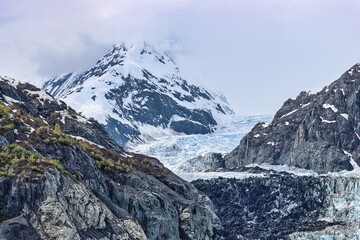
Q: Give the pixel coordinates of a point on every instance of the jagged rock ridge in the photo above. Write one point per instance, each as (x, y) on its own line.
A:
(63, 177)
(318, 131)
(138, 93)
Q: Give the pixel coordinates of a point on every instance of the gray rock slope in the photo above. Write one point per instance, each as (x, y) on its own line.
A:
(63, 177)
(318, 131)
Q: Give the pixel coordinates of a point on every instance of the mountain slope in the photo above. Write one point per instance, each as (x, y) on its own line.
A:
(138, 93)
(318, 131)
(63, 177)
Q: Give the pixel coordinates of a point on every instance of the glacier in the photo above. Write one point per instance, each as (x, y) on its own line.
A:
(176, 150)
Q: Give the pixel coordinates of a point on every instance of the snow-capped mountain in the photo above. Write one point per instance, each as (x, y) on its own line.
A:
(138, 94)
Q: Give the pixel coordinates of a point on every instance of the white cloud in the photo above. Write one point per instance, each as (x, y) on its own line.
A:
(246, 47)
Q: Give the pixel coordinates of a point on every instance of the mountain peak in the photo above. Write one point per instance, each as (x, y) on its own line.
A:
(138, 93)
(353, 72)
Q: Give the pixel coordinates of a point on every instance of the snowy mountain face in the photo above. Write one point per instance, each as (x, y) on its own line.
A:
(138, 94)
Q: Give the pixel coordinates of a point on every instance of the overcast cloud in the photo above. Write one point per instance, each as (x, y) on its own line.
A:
(258, 53)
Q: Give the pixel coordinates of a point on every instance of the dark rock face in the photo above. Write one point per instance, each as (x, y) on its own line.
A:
(315, 131)
(18, 228)
(136, 88)
(94, 189)
(279, 206)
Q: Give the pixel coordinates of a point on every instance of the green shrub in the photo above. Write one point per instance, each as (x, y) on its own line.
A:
(146, 161)
(42, 130)
(21, 161)
(57, 129)
(35, 168)
(9, 126)
(57, 164)
(67, 140)
(24, 128)
(4, 111)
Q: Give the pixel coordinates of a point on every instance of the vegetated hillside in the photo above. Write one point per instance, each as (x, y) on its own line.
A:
(138, 94)
(318, 131)
(63, 177)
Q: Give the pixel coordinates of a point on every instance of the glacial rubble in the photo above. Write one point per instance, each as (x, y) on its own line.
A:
(63, 177)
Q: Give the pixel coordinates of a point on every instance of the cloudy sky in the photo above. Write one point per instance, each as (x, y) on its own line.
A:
(258, 53)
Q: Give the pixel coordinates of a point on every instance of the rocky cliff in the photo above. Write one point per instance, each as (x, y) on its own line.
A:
(314, 137)
(63, 177)
(318, 131)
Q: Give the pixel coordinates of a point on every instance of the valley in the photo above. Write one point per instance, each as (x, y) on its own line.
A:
(153, 156)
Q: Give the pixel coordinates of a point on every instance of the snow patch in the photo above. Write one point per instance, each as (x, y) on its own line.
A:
(10, 80)
(288, 114)
(304, 105)
(326, 121)
(351, 72)
(332, 107)
(43, 96)
(357, 135)
(345, 115)
(266, 124)
(352, 161)
(85, 140)
(342, 90)
(10, 99)
(151, 133)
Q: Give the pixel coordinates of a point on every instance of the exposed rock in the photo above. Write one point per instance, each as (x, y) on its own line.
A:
(3, 141)
(63, 177)
(286, 206)
(318, 131)
(18, 228)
